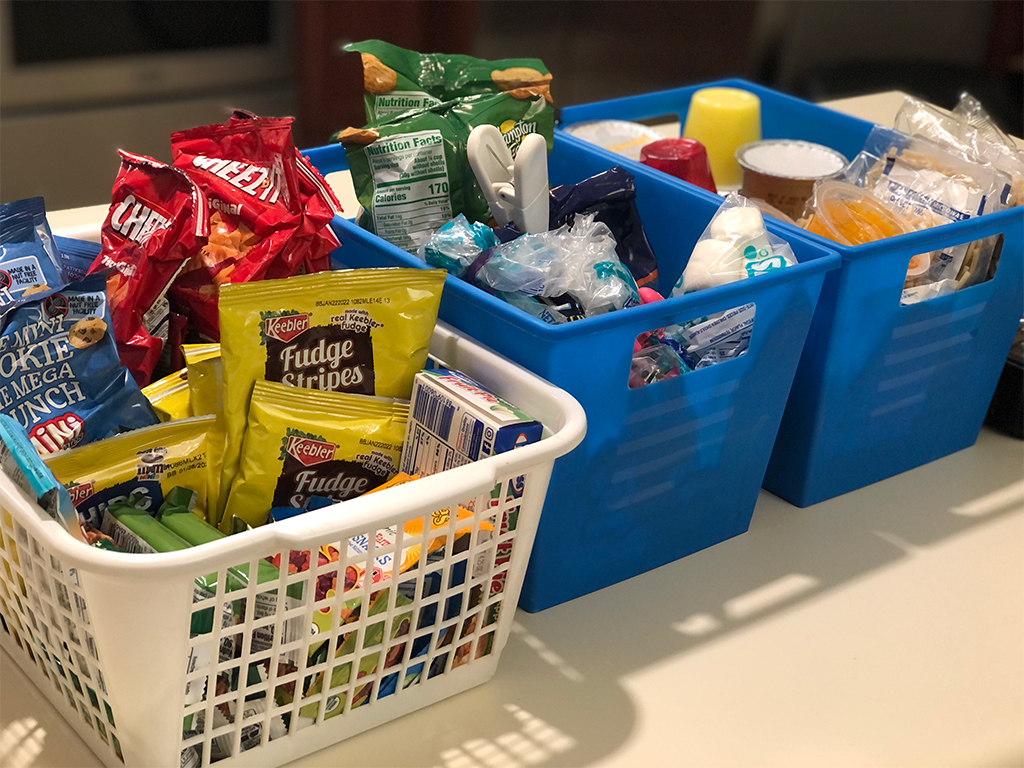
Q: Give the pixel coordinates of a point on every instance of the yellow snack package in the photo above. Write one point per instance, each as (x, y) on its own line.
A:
(206, 396)
(146, 463)
(362, 331)
(169, 396)
(302, 442)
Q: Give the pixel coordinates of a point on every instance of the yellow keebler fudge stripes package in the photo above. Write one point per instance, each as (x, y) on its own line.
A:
(146, 463)
(363, 331)
(302, 442)
(206, 397)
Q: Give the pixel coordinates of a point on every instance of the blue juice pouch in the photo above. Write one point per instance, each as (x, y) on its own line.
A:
(60, 376)
(29, 260)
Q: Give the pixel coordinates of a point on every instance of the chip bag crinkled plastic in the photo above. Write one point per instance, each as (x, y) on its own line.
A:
(157, 221)
(269, 211)
(29, 259)
(146, 464)
(397, 80)
(411, 173)
(60, 376)
(364, 331)
(303, 442)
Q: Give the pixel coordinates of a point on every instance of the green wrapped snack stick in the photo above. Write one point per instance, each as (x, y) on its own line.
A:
(135, 530)
(397, 80)
(411, 172)
(176, 514)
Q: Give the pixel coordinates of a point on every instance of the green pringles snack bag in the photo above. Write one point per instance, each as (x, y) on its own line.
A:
(397, 80)
(411, 173)
(361, 331)
(302, 442)
(144, 464)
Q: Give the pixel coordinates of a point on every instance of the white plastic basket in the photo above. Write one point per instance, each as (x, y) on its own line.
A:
(109, 636)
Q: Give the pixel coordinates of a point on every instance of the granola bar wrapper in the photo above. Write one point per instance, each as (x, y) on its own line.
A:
(156, 223)
(269, 212)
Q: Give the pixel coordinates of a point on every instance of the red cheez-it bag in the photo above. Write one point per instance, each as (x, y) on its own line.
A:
(157, 222)
(269, 211)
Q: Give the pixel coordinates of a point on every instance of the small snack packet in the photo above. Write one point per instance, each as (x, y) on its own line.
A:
(29, 260)
(145, 464)
(264, 221)
(156, 223)
(169, 396)
(303, 442)
(734, 246)
(411, 172)
(364, 331)
(611, 197)
(397, 80)
(206, 397)
(60, 376)
(132, 529)
(561, 275)
(20, 462)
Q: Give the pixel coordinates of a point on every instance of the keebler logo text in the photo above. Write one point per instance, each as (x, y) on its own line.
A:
(310, 452)
(286, 327)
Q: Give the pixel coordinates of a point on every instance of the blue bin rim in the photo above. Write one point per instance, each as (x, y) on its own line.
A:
(648, 316)
(732, 82)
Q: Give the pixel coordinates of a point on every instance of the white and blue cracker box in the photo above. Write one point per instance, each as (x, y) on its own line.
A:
(454, 420)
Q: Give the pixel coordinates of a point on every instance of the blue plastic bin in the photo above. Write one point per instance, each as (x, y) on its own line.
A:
(665, 470)
(880, 388)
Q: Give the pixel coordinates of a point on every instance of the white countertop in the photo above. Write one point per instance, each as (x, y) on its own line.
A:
(881, 628)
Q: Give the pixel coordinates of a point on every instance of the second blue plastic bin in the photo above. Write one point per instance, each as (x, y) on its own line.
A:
(881, 388)
(666, 469)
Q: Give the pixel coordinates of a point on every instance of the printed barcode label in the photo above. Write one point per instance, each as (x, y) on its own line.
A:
(434, 411)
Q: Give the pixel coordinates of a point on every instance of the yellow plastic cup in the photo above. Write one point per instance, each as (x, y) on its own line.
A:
(723, 120)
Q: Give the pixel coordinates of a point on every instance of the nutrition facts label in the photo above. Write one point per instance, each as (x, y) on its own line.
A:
(410, 187)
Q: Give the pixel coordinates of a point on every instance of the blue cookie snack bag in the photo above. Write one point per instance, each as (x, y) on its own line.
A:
(29, 259)
(60, 376)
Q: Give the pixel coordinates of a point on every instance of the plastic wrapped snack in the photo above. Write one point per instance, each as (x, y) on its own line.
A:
(205, 376)
(397, 80)
(364, 331)
(411, 171)
(967, 131)
(930, 186)
(560, 275)
(456, 245)
(301, 443)
(60, 376)
(611, 197)
(734, 246)
(29, 260)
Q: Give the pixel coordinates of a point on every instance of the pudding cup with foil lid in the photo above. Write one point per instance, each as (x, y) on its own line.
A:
(782, 172)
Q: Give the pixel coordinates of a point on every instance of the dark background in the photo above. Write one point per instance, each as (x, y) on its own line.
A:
(64, 147)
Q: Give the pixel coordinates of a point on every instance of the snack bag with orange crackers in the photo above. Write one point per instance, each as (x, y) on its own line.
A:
(269, 211)
(397, 80)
